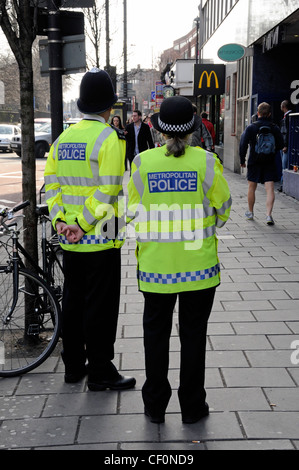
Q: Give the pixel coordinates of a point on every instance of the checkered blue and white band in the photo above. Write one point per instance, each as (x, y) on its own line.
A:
(176, 127)
(177, 278)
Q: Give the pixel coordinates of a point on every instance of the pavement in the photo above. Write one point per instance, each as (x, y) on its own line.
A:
(252, 372)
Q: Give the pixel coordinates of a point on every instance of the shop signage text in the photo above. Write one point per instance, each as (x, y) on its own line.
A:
(271, 39)
(231, 52)
(209, 79)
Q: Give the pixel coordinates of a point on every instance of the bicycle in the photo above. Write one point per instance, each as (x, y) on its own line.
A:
(30, 314)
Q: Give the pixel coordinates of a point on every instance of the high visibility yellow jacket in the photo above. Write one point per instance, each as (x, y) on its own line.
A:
(83, 182)
(176, 204)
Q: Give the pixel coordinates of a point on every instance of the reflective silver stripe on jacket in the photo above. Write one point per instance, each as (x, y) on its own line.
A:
(224, 207)
(52, 193)
(89, 182)
(163, 213)
(75, 200)
(51, 179)
(137, 178)
(54, 145)
(176, 236)
(95, 151)
(55, 209)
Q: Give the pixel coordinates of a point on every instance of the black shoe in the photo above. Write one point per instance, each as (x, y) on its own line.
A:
(190, 419)
(158, 418)
(119, 383)
(74, 377)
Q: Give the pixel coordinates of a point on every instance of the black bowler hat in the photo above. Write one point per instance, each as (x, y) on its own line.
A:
(176, 117)
(96, 92)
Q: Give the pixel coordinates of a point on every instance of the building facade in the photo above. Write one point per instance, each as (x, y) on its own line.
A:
(268, 30)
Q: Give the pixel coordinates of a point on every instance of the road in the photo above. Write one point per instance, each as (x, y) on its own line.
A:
(11, 178)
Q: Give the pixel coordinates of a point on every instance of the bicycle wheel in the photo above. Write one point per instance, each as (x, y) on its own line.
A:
(30, 332)
(55, 272)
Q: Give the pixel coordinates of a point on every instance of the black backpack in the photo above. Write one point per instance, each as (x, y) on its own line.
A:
(265, 145)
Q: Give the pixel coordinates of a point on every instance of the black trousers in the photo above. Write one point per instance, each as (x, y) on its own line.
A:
(194, 311)
(90, 310)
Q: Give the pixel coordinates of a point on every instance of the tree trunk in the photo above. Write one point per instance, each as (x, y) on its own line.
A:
(18, 21)
(28, 157)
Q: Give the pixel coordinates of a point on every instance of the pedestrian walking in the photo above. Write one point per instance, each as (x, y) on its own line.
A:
(210, 126)
(201, 133)
(260, 170)
(83, 178)
(139, 137)
(178, 195)
(116, 122)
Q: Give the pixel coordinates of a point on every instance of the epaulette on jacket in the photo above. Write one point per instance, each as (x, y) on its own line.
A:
(120, 133)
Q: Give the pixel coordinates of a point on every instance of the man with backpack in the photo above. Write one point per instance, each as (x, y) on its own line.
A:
(264, 139)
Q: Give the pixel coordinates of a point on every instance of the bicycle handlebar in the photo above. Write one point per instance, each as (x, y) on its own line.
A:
(7, 214)
(6, 211)
(21, 206)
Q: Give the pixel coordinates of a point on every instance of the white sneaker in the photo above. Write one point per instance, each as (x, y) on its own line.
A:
(269, 220)
(249, 215)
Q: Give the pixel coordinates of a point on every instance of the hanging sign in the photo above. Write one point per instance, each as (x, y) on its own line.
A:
(231, 52)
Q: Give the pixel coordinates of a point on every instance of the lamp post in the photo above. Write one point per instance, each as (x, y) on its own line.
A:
(125, 51)
(55, 67)
(197, 22)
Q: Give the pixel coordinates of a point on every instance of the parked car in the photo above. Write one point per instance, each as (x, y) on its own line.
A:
(43, 141)
(7, 131)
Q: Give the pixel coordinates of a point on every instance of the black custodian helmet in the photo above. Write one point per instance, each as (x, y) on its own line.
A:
(96, 92)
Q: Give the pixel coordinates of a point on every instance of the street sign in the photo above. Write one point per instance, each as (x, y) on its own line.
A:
(231, 52)
(67, 3)
(209, 79)
(77, 3)
(72, 22)
(73, 55)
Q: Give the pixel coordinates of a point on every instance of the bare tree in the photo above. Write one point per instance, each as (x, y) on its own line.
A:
(9, 69)
(95, 17)
(18, 20)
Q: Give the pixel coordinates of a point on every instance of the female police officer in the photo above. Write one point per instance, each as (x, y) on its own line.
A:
(177, 196)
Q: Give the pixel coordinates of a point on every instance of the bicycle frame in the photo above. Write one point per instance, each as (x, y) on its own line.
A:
(45, 246)
(14, 268)
(16, 261)
(30, 323)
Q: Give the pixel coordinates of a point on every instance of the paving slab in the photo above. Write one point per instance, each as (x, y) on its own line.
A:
(216, 426)
(252, 360)
(29, 432)
(118, 428)
(257, 377)
(270, 425)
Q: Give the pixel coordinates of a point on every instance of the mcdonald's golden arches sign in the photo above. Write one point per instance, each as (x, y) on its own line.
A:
(209, 79)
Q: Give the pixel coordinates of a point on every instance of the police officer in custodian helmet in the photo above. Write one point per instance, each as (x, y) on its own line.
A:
(177, 198)
(83, 178)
